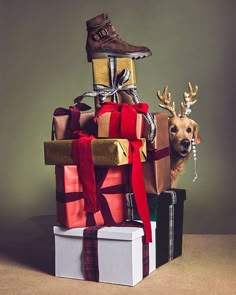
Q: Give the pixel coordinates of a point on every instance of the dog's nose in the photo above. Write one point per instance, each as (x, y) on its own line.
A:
(185, 143)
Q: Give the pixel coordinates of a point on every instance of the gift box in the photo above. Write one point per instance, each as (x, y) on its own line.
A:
(167, 210)
(106, 152)
(110, 196)
(62, 129)
(103, 68)
(121, 120)
(156, 169)
(118, 254)
(108, 73)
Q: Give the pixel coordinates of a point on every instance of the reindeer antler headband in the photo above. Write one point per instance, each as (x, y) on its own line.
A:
(185, 106)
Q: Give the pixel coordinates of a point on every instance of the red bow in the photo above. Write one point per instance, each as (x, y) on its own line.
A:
(123, 121)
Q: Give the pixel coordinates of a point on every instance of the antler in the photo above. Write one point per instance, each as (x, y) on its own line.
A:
(165, 97)
(188, 100)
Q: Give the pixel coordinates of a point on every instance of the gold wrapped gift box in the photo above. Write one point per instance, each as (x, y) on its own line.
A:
(106, 152)
(101, 71)
(101, 76)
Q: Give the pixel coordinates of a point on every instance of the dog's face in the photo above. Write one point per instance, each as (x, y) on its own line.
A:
(181, 132)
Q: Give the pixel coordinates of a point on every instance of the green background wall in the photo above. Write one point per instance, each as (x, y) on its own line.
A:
(44, 65)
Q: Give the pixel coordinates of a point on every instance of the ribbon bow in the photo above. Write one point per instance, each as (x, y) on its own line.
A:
(117, 84)
(111, 107)
(103, 91)
(123, 120)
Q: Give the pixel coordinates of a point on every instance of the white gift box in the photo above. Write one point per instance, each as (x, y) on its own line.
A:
(120, 258)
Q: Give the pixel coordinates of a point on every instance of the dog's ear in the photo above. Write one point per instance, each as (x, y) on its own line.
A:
(196, 133)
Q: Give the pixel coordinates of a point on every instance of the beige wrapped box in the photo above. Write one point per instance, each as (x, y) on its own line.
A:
(103, 123)
(61, 125)
(106, 152)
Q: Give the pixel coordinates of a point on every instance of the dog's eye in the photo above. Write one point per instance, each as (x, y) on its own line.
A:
(188, 129)
(173, 129)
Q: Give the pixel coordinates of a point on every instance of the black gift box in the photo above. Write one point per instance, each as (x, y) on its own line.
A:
(167, 209)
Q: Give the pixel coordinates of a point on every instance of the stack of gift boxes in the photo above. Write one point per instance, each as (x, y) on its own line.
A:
(118, 217)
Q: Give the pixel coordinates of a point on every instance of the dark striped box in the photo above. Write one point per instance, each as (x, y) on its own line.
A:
(167, 209)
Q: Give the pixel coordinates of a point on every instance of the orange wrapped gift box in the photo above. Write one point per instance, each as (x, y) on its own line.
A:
(111, 188)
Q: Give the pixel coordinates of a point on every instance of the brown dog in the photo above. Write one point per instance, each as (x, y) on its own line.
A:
(183, 131)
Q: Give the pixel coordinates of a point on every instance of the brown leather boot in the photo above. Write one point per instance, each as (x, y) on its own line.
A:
(103, 41)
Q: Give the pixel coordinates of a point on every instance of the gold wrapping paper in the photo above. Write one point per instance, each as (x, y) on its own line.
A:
(101, 70)
(101, 76)
(157, 173)
(62, 130)
(103, 123)
(106, 152)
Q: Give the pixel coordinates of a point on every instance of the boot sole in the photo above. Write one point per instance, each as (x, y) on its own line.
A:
(107, 54)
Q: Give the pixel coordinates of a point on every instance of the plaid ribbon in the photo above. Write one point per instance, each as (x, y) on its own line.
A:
(90, 251)
(145, 259)
(117, 82)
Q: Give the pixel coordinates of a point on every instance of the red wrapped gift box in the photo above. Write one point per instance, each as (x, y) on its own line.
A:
(110, 196)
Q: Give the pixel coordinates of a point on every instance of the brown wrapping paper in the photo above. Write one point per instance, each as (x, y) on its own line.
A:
(61, 128)
(101, 76)
(157, 173)
(103, 123)
(106, 152)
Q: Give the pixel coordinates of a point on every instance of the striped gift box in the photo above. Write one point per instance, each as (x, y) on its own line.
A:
(167, 209)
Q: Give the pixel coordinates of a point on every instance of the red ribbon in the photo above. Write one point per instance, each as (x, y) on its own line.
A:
(83, 158)
(74, 118)
(74, 115)
(123, 120)
(112, 106)
(123, 125)
(138, 186)
(155, 155)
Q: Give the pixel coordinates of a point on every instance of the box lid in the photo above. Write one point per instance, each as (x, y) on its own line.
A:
(110, 233)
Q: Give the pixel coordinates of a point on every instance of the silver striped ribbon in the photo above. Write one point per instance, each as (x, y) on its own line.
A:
(171, 224)
(117, 84)
(130, 216)
(129, 206)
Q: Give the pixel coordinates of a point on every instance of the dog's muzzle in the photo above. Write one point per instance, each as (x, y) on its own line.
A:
(185, 147)
(185, 143)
